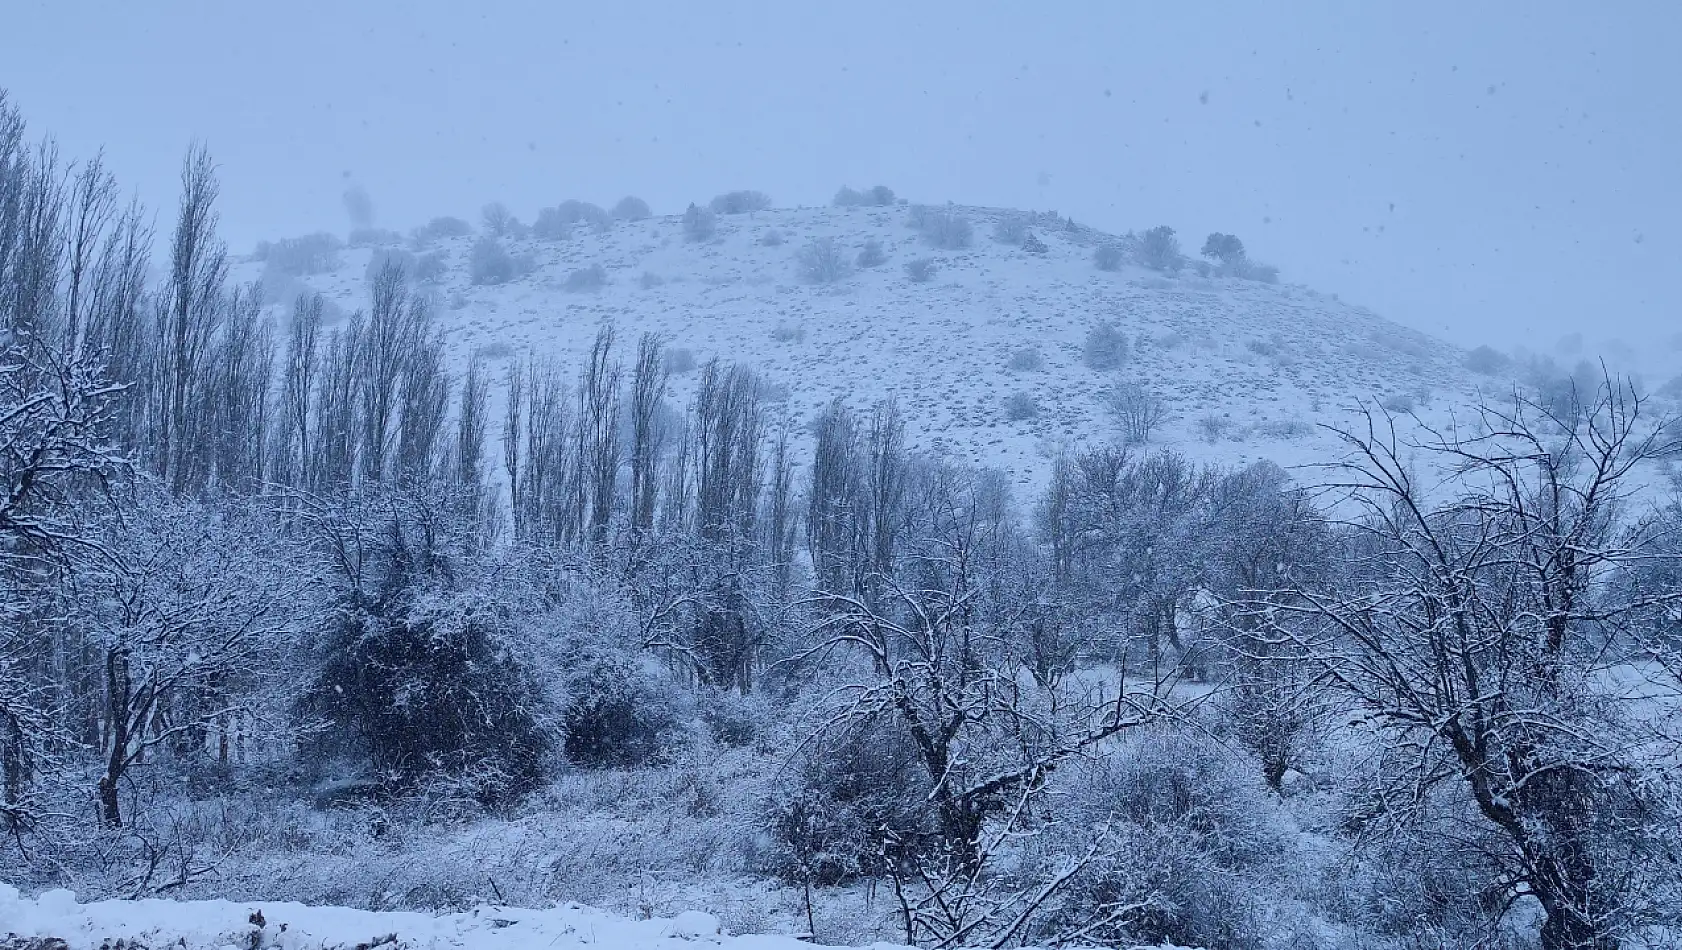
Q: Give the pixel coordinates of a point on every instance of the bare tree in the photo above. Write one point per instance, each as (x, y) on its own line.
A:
(648, 388)
(1138, 410)
(189, 615)
(395, 321)
(512, 408)
(1482, 634)
(198, 269)
(941, 651)
(600, 444)
(299, 370)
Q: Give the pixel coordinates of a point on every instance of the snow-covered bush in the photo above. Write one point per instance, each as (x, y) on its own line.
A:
(587, 279)
(1159, 249)
(1182, 836)
(699, 224)
(922, 270)
(823, 261)
(771, 238)
(300, 256)
(447, 227)
(424, 685)
(498, 220)
(880, 196)
(1224, 248)
(945, 229)
(386, 256)
(1487, 361)
(679, 360)
(618, 713)
(631, 208)
(551, 225)
(872, 255)
(1138, 410)
(1011, 229)
(490, 262)
(1108, 256)
(432, 266)
(846, 809)
(574, 212)
(1106, 347)
(1029, 359)
(740, 202)
(1021, 407)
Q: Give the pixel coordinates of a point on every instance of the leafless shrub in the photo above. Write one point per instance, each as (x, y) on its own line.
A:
(922, 269)
(1213, 427)
(1398, 403)
(771, 238)
(822, 261)
(1108, 257)
(551, 225)
(1021, 407)
(1137, 410)
(699, 224)
(1011, 229)
(1029, 359)
(587, 279)
(872, 255)
(944, 229)
(575, 212)
(497, 219)
(1285, 429)
(432, 267)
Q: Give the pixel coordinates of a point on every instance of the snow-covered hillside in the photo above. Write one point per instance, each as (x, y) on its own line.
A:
(40, 923)
(1245, 369)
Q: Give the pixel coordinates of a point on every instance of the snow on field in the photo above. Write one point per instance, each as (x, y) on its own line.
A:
(1246, 369)
(212, 925)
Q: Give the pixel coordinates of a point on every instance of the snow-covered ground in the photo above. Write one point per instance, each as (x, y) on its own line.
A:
(215, 924)
(1246, 369)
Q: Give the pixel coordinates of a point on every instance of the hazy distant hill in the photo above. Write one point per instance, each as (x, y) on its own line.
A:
(1244, 369)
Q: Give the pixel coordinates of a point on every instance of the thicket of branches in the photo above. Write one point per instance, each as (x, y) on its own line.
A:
(247, 549)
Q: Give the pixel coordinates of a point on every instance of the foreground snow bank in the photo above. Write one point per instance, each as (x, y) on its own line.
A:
(211, 925)
(277, 925)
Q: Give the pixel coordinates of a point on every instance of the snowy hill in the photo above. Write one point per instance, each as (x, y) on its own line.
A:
(1244, 369)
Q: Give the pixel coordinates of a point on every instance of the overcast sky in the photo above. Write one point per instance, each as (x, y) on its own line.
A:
(1486, 171)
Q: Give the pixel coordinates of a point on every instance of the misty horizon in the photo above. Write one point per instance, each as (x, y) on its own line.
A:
(1498, 182)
